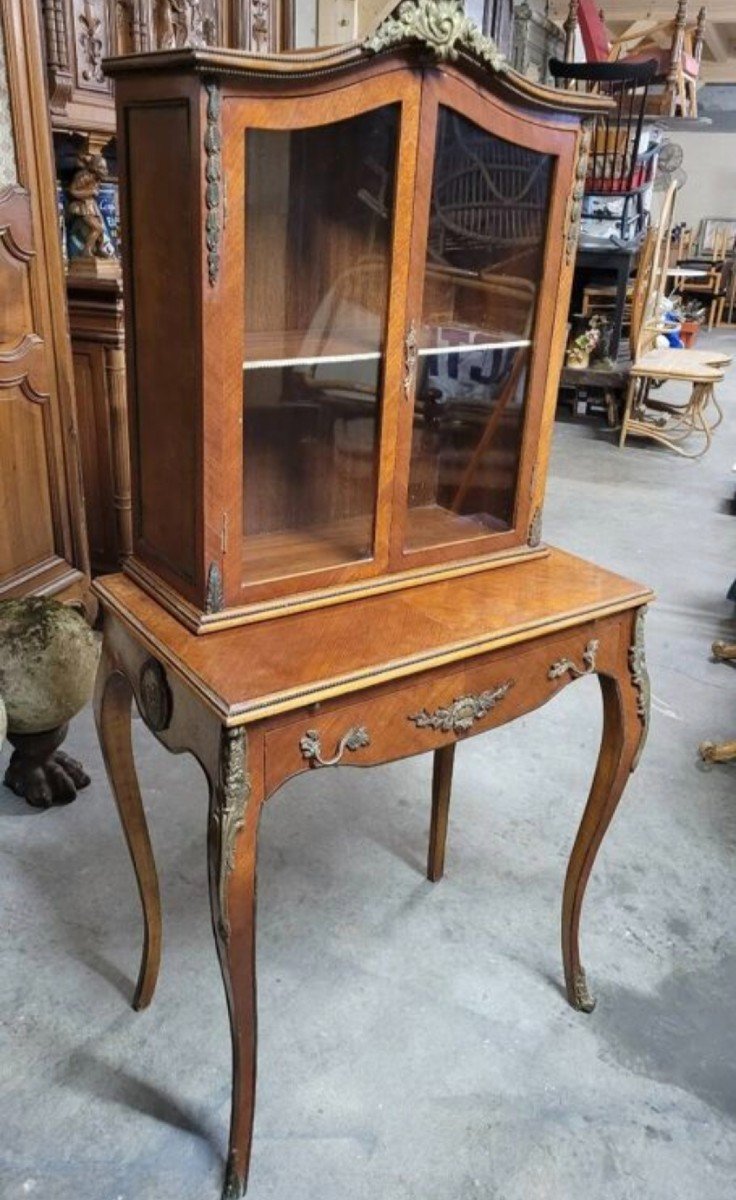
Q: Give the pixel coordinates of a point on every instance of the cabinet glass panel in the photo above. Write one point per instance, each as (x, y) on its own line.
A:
(483, 269)
(319, 215)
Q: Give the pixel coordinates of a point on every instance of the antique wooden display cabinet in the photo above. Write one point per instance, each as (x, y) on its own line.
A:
(347, 275)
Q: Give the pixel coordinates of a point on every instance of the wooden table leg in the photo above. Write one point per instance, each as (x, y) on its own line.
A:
(629, 403)
(184, 725)
(112, 702)
(444, 761)
(625, 724)
(236, 798)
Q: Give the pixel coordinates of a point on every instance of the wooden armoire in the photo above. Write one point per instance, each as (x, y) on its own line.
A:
(43, 543)
(78, 36)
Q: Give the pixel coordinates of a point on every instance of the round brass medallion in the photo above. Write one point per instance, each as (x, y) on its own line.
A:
(156, 699)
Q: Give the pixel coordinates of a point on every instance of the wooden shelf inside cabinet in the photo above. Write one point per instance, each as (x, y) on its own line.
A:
(290, 552)
(347, 339)
(284, 553)
(301, 348)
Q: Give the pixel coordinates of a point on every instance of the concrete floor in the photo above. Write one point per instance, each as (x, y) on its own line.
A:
(414, 1040)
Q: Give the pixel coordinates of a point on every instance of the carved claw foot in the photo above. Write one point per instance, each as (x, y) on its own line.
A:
(581, 997)
(41, 773)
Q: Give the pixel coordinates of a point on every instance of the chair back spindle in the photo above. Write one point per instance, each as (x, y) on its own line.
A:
(620, 172)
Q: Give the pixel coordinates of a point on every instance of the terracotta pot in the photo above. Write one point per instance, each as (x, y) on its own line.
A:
(688, 332)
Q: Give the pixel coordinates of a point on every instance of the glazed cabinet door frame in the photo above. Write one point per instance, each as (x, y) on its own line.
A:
(557, 139)
(186, 339)
(420, 93)
(241, 113)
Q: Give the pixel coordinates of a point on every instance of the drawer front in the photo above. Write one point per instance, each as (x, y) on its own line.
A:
(440, 707)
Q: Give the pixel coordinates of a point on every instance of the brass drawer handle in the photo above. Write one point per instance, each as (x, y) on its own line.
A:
(311, 746)
(459, 716)
(563, 665)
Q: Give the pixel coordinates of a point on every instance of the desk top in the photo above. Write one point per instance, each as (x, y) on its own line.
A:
(253, 671)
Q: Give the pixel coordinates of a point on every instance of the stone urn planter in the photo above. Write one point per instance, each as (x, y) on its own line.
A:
(48, 660)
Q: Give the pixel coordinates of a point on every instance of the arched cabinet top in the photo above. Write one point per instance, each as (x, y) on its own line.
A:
(417, 33)
(344, 336)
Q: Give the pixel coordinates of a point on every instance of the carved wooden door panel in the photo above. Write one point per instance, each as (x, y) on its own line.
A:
(79, 34)
(42, 530)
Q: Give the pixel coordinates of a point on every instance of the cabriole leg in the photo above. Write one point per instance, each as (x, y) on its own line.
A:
(625, 722)
(113, 696)
(444, 761)
(233, 834)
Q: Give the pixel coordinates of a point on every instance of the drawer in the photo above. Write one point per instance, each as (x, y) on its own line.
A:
(439, 707)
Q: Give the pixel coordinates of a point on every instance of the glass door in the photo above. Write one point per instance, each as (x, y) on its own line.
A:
(482, 268)
(319, 224)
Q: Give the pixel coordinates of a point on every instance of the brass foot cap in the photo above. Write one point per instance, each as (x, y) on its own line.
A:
(582, 999)
(233, 1187)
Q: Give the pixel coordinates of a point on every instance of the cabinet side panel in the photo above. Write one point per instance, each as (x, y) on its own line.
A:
(161, 285)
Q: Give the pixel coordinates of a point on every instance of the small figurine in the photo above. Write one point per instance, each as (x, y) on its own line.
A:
(182, 24)
(601, 352)
(259, 25)
(88, 235)
(580, 349)
(668, 322)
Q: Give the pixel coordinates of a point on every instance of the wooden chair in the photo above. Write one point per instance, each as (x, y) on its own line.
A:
(675, 45)
(681, 246)
(619, 172)
(712, 289)
(721, 248)
(648, 416)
